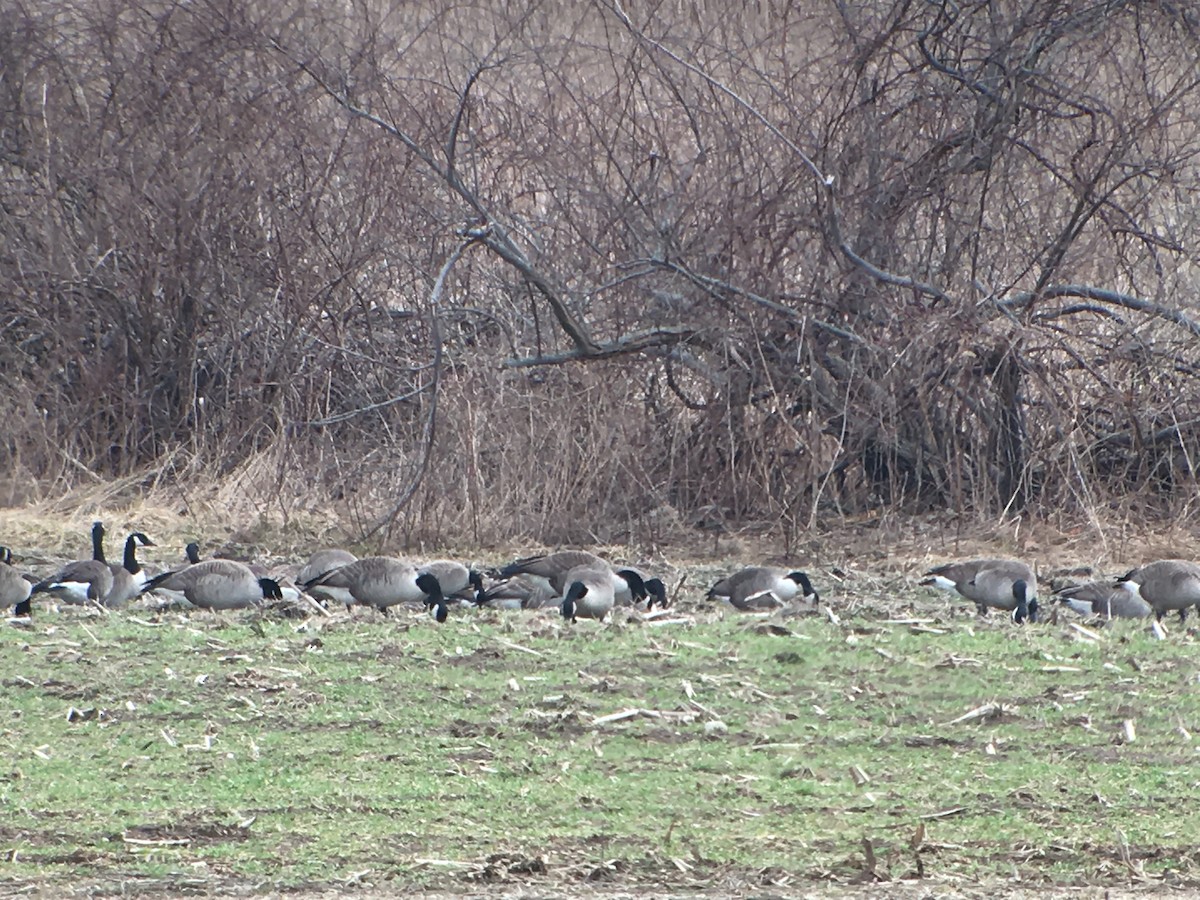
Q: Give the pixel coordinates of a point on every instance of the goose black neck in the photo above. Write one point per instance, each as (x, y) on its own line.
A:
(132, 566)
(98, 543)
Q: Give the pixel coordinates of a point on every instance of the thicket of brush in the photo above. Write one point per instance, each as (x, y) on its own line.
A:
(551, 272)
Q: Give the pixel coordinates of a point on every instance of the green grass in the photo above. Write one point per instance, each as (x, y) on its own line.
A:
(283, 754)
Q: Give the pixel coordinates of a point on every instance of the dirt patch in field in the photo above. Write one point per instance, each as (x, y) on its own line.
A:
(178, 833)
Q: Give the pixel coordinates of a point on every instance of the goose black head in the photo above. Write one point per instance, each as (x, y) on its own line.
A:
(476, 581)
(801, 579)
(432, 588)
(441, 610)
(575, 592)
(131, 562)
(1026, 608)
(637, 587)
(192, 552)
(270, 589)
(657, 592)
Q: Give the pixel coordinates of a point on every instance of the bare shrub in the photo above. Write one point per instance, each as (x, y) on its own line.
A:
(690, 268)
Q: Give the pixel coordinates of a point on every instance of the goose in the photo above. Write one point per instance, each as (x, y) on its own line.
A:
(1000, 583)
(763, 587)
(129, 577)
(628, 584)
(281, 575)
(384, 581)
(521, 592)
(218, 584)
(15, 589)
(82, 581)
(456, 580)
(1102, 598)
(192, 553)
(1165, 584)
(589, 592)
(321, 563)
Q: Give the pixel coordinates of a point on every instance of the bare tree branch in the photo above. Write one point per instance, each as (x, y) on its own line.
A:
(1027, 298)
(494, 236)
(630, 343)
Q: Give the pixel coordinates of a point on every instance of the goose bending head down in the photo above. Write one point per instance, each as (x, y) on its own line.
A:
(457, 580)
(320, 564)
(1165, 585)
(588, 593)
(383, 582)
(990, 584)
(218, 584)
(763, 587)
(1101, 598)
(629, 586)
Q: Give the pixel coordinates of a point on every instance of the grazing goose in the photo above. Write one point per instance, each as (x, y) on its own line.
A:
(762, 587)
(82, 581)
(456, 580)
(589, 592)
(999, 583)
(1102, 598)
(128, 577)
(322, 563)
(384, 581)
(218, 584)
(1165, 585)
(521, 592)
(628, 584)
(15, 589)
(281, 575)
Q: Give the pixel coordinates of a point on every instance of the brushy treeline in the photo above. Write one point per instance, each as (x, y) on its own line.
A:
(585, 272)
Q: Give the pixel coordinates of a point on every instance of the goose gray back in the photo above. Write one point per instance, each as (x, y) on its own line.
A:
(15, 589)
(1165, 585)
(588, 592)
(191, 555)
(129, 577)
(763, 587)
(218, 584)
(1102, 598)
(322, 563)
(988, 583)
(384, 581)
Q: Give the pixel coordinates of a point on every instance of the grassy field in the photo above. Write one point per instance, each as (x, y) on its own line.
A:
(901, 745)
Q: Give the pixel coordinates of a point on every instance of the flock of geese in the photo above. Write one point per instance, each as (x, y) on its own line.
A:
(578, 583)
(1156, 588)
